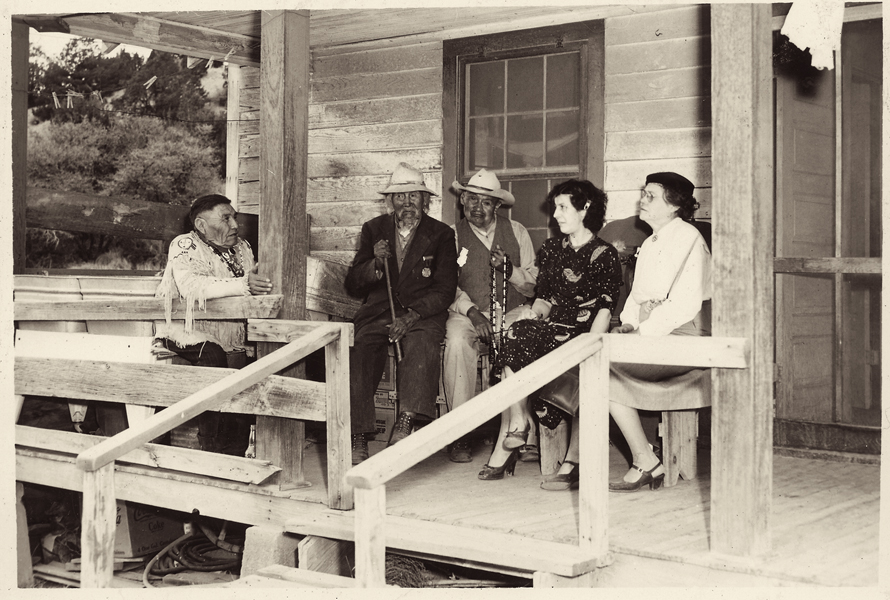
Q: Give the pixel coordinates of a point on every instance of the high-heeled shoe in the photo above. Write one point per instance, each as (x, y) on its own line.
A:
(489, 473)
(561, 481)
(516, 439)
(653, 481)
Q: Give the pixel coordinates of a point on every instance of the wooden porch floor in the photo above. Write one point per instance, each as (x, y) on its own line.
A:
(825, 520)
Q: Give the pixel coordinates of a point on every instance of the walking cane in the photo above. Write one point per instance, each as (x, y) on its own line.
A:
(392, 306)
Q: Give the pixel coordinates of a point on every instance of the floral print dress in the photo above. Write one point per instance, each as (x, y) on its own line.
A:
(578, 283)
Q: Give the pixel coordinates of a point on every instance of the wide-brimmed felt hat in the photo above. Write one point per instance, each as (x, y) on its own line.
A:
(486, 183)
(406, 179)
(674, 181)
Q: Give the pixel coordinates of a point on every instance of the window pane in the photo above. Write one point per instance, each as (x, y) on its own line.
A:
(562, 138)
(862, 348)
(485, 144)
(486, 88)
(531, 208)
(525, 81)
(525, 147)
(862, 116)
(563, 88)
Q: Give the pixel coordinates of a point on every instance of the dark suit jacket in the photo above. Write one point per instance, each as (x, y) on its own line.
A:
(433, 248)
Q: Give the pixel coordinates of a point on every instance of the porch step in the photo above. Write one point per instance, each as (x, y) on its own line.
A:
(281, 576)
(449, 542)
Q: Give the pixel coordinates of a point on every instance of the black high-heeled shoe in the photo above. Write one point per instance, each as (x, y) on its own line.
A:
(516, 439)
(561, 481)
(489, 473)
(654, 482)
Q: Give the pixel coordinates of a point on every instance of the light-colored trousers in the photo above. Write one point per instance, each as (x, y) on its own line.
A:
(462, 356)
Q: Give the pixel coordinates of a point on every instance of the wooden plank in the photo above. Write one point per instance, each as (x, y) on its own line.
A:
(97, 527)
(208, 398)
(308, 578)
(827, 265)
(374, 163)
(652, 85)
(324, 555)
(233, 468)
(669, 113)
(335, 239)
(339, 430)
(361, 138)
(19, 135)
(346, 214)
(625, 203)
(342, 257)
(325, 288)
(376, 85)
(741, 473)
(722, 352)
(110, 215)
(657, 55)
(233, 134)
(384, 60)
(694, 142)
(168, 36)
(630, 175)
(675, 22)
(476, 544)
(350, 188)
(380, 468)
(141, 309)
(164, 385)
(422, 107)
(370, 537)
(593, 494)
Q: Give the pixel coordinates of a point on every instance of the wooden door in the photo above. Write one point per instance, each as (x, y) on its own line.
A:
(828, 247)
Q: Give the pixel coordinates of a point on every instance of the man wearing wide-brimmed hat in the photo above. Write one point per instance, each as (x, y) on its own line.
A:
(487, 241)
(422, 263)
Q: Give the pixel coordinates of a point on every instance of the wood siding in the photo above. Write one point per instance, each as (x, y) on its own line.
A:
(369, 111)
(373, 107)
(657, 103)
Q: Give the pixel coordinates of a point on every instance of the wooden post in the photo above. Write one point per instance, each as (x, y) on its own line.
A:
(97, 527)
(19, 143)
(338, 419)
(742, 197)
(370, 537)
(284, 232)
(593, 494)
(233, 135)
(23, 545)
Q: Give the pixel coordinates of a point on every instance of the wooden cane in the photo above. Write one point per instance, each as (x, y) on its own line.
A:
(392, 306)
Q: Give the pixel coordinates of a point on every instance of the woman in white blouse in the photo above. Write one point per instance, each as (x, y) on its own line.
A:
(671, 290)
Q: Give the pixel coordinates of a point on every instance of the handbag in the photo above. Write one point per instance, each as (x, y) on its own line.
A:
(562, 393)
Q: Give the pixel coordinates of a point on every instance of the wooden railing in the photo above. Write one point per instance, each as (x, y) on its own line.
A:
(252, 386)
(594, 353)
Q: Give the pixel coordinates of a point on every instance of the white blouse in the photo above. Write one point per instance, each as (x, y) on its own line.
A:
(660, 258)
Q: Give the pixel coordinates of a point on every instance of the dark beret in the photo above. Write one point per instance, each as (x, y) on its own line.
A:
(672, 181)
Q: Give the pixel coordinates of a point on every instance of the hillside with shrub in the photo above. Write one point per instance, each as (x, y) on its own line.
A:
(159, 142)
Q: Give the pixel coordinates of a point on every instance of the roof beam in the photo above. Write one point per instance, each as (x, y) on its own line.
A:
(166, 36)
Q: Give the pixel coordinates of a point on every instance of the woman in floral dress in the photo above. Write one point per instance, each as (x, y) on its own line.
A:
(578, 279)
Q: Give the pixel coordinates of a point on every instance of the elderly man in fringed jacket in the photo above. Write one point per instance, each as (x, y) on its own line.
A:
(208, 262)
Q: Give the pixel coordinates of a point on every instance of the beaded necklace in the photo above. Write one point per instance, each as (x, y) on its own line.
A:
(231, 257)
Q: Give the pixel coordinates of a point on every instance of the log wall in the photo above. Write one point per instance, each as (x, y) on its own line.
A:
(658, 103)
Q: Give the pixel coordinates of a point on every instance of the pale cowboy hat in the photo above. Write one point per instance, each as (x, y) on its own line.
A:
(406, 179)
(486, 183)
